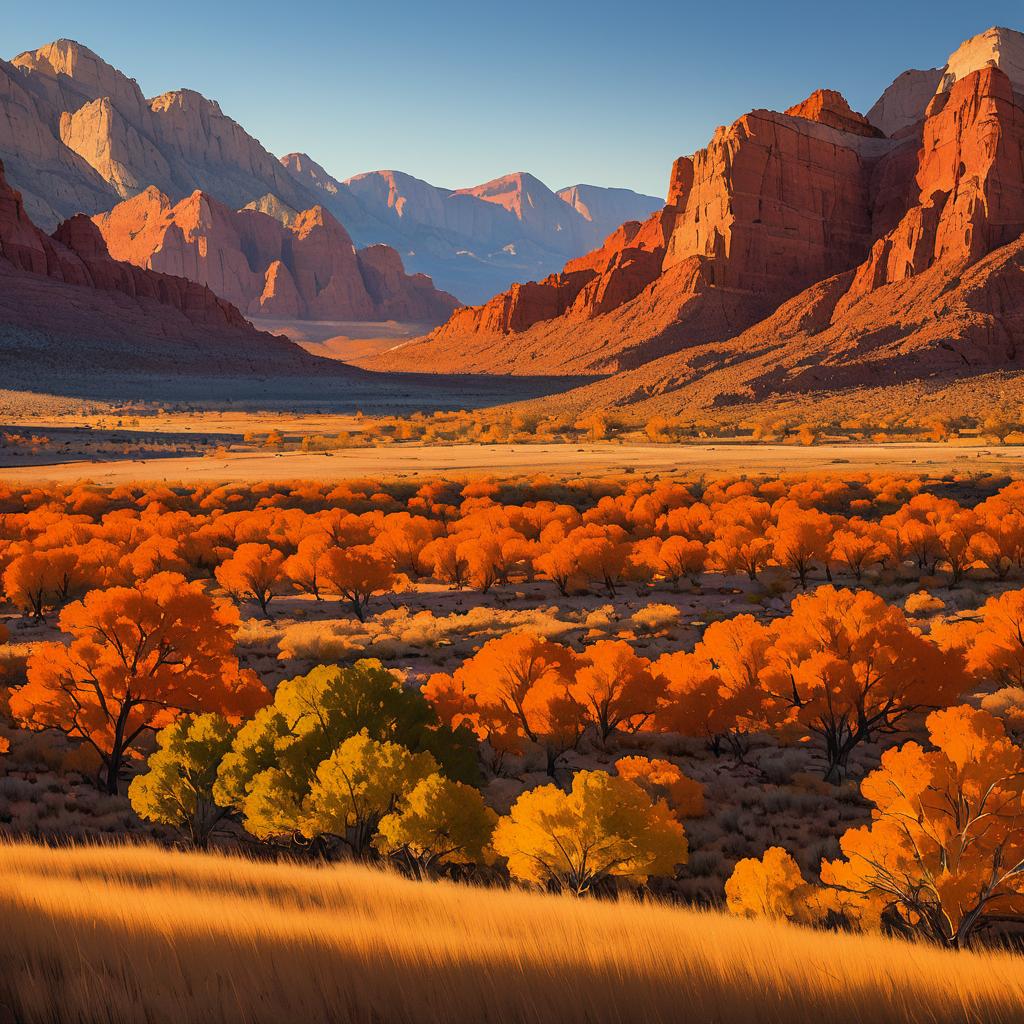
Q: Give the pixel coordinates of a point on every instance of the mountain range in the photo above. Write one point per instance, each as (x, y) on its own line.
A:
(800, 251)
(78, 136)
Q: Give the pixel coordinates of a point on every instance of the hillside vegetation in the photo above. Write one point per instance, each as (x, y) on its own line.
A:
(125, 934)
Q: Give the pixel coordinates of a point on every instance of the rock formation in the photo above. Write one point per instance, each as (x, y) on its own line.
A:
(67, 287)
(306, 267)
(939, 297)
(901, 107)
(178, 142)
(826, 106)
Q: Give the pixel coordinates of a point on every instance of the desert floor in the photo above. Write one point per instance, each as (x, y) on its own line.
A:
(88, 459)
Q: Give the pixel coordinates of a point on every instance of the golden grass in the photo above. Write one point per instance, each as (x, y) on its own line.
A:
(119, 934)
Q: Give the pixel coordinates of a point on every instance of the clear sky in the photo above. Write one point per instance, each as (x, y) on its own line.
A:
(457, 93)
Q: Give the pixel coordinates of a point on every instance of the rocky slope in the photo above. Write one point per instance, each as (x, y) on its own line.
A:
(279, 263)
(77, 135)
(62, 298)
(797, 252)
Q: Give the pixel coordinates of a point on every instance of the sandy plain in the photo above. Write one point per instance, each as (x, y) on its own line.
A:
(510, 460)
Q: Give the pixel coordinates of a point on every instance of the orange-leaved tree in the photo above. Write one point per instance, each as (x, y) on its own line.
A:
(515, 689)
(848, 667)
(945, 847)
(253, 572)
(800, 538)
(38, 581)
(716, 691)
(139, 657)
(666, 781)
(616, 686)
(355, 574)
(996, 644)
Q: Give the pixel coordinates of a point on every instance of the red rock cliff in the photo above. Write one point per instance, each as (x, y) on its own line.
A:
(307, 268)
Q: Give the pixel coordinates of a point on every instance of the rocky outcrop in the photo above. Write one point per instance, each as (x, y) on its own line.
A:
(76, 255)
(1001, 48)
(902, 107)
(970, 179)
(54, 179)
(306, 267)
(273, 207)
(177, 142)
(66, 287)
(828, 107)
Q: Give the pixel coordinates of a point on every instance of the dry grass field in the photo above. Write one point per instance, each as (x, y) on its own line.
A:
(123, 934)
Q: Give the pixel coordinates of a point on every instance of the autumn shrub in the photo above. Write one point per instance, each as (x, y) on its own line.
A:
(773, 886)
(653, 618)
(923, 603)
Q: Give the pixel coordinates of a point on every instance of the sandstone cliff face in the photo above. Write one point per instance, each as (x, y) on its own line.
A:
(1000, 48)
(813, 219)
(67, 289)
(940, 296)
(77, 255)
(776, 202)
(828, 107)
(55, 180)
(902, 105)
(306, 268)
(970, 178)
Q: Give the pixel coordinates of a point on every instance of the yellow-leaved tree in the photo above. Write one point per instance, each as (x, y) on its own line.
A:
(177, 788)
(605, 827)
(439, 822)
(273, 763)
(363, 780)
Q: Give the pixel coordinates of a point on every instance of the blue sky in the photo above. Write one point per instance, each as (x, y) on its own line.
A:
(457, 92)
